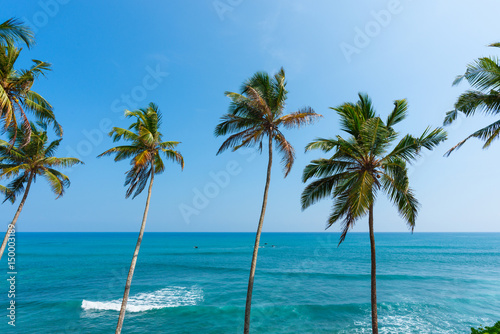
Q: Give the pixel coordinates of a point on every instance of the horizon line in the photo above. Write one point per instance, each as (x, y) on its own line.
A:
(19, 232)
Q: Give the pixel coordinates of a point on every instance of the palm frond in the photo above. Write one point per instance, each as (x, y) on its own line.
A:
(16, 187)
(57, 181)
(398, 114)
(241, 139)
(450, 117)
(286, 150)
(395, 182)
(136, 178)
(321, 188)
(14, 30)
(232, 123)
(122, 152)
(323, 144)
(174, 156)
(61, 162)
(472, 101)
(297, 119)
(325, 167)
(483, 74)
(119, 133)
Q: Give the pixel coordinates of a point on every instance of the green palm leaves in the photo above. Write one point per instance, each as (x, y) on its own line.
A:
(36, 158)
(364, 163)
(13, 30)
(145, 152)
(254, 114)
(258, 112)
(16, 96)
(145, 149)
(483, 75)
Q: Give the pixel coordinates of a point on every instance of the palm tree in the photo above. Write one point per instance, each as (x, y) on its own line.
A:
(254, 114)
(24, 162)
(144, 151)
(14, 30)
(16, 96)
(360, 166)
(484, 76)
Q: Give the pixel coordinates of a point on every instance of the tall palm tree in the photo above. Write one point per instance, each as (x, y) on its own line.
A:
(144, 150)
(14, 30)
(24, 162)
(253, 114)
(484, 76)
(361, 165)
(17, 97)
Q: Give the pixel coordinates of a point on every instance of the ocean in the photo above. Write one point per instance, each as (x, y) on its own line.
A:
(427, 283)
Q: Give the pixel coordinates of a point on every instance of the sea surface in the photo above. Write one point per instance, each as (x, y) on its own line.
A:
(427, 283)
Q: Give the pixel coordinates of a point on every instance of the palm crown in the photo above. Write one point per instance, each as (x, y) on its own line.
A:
(145, 148)
(27, 161)
(16, 95)
(483, 75)
(362, 164)
(257, 112)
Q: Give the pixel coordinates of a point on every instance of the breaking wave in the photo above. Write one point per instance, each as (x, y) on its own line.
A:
(168, 297)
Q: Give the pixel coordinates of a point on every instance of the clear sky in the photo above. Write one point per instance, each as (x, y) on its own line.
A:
(183, 54)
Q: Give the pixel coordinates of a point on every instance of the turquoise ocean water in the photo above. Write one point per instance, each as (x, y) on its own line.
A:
(427, 283)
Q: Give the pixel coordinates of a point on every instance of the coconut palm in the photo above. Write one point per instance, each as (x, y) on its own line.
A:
(145, 151)
(484, 76)
(256, 113)
(24, 162)
(361, 165)
(17, 97)
(14, 30)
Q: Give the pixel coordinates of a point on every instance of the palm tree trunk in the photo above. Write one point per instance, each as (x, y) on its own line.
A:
(18, 212)
(373, 274)
(134, 259)
(248, 305)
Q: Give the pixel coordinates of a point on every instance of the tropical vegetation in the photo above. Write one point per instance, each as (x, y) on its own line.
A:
(16, 94)
(483, 75)
(371, 157)
(25, 161)
(254, 114)
(14, 31)
(495, 329)
(145, 151)
(362, 164)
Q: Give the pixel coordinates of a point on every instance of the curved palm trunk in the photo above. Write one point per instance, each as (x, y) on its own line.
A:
(373, 274)
(18, 212)
(134, 260)
(248, 305)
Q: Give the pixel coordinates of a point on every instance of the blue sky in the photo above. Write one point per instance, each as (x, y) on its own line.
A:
(112, 55)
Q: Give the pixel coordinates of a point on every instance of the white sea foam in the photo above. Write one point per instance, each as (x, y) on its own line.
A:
(408, 318)
(168, 297)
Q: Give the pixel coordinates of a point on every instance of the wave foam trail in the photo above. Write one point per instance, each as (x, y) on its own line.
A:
(168, 297)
